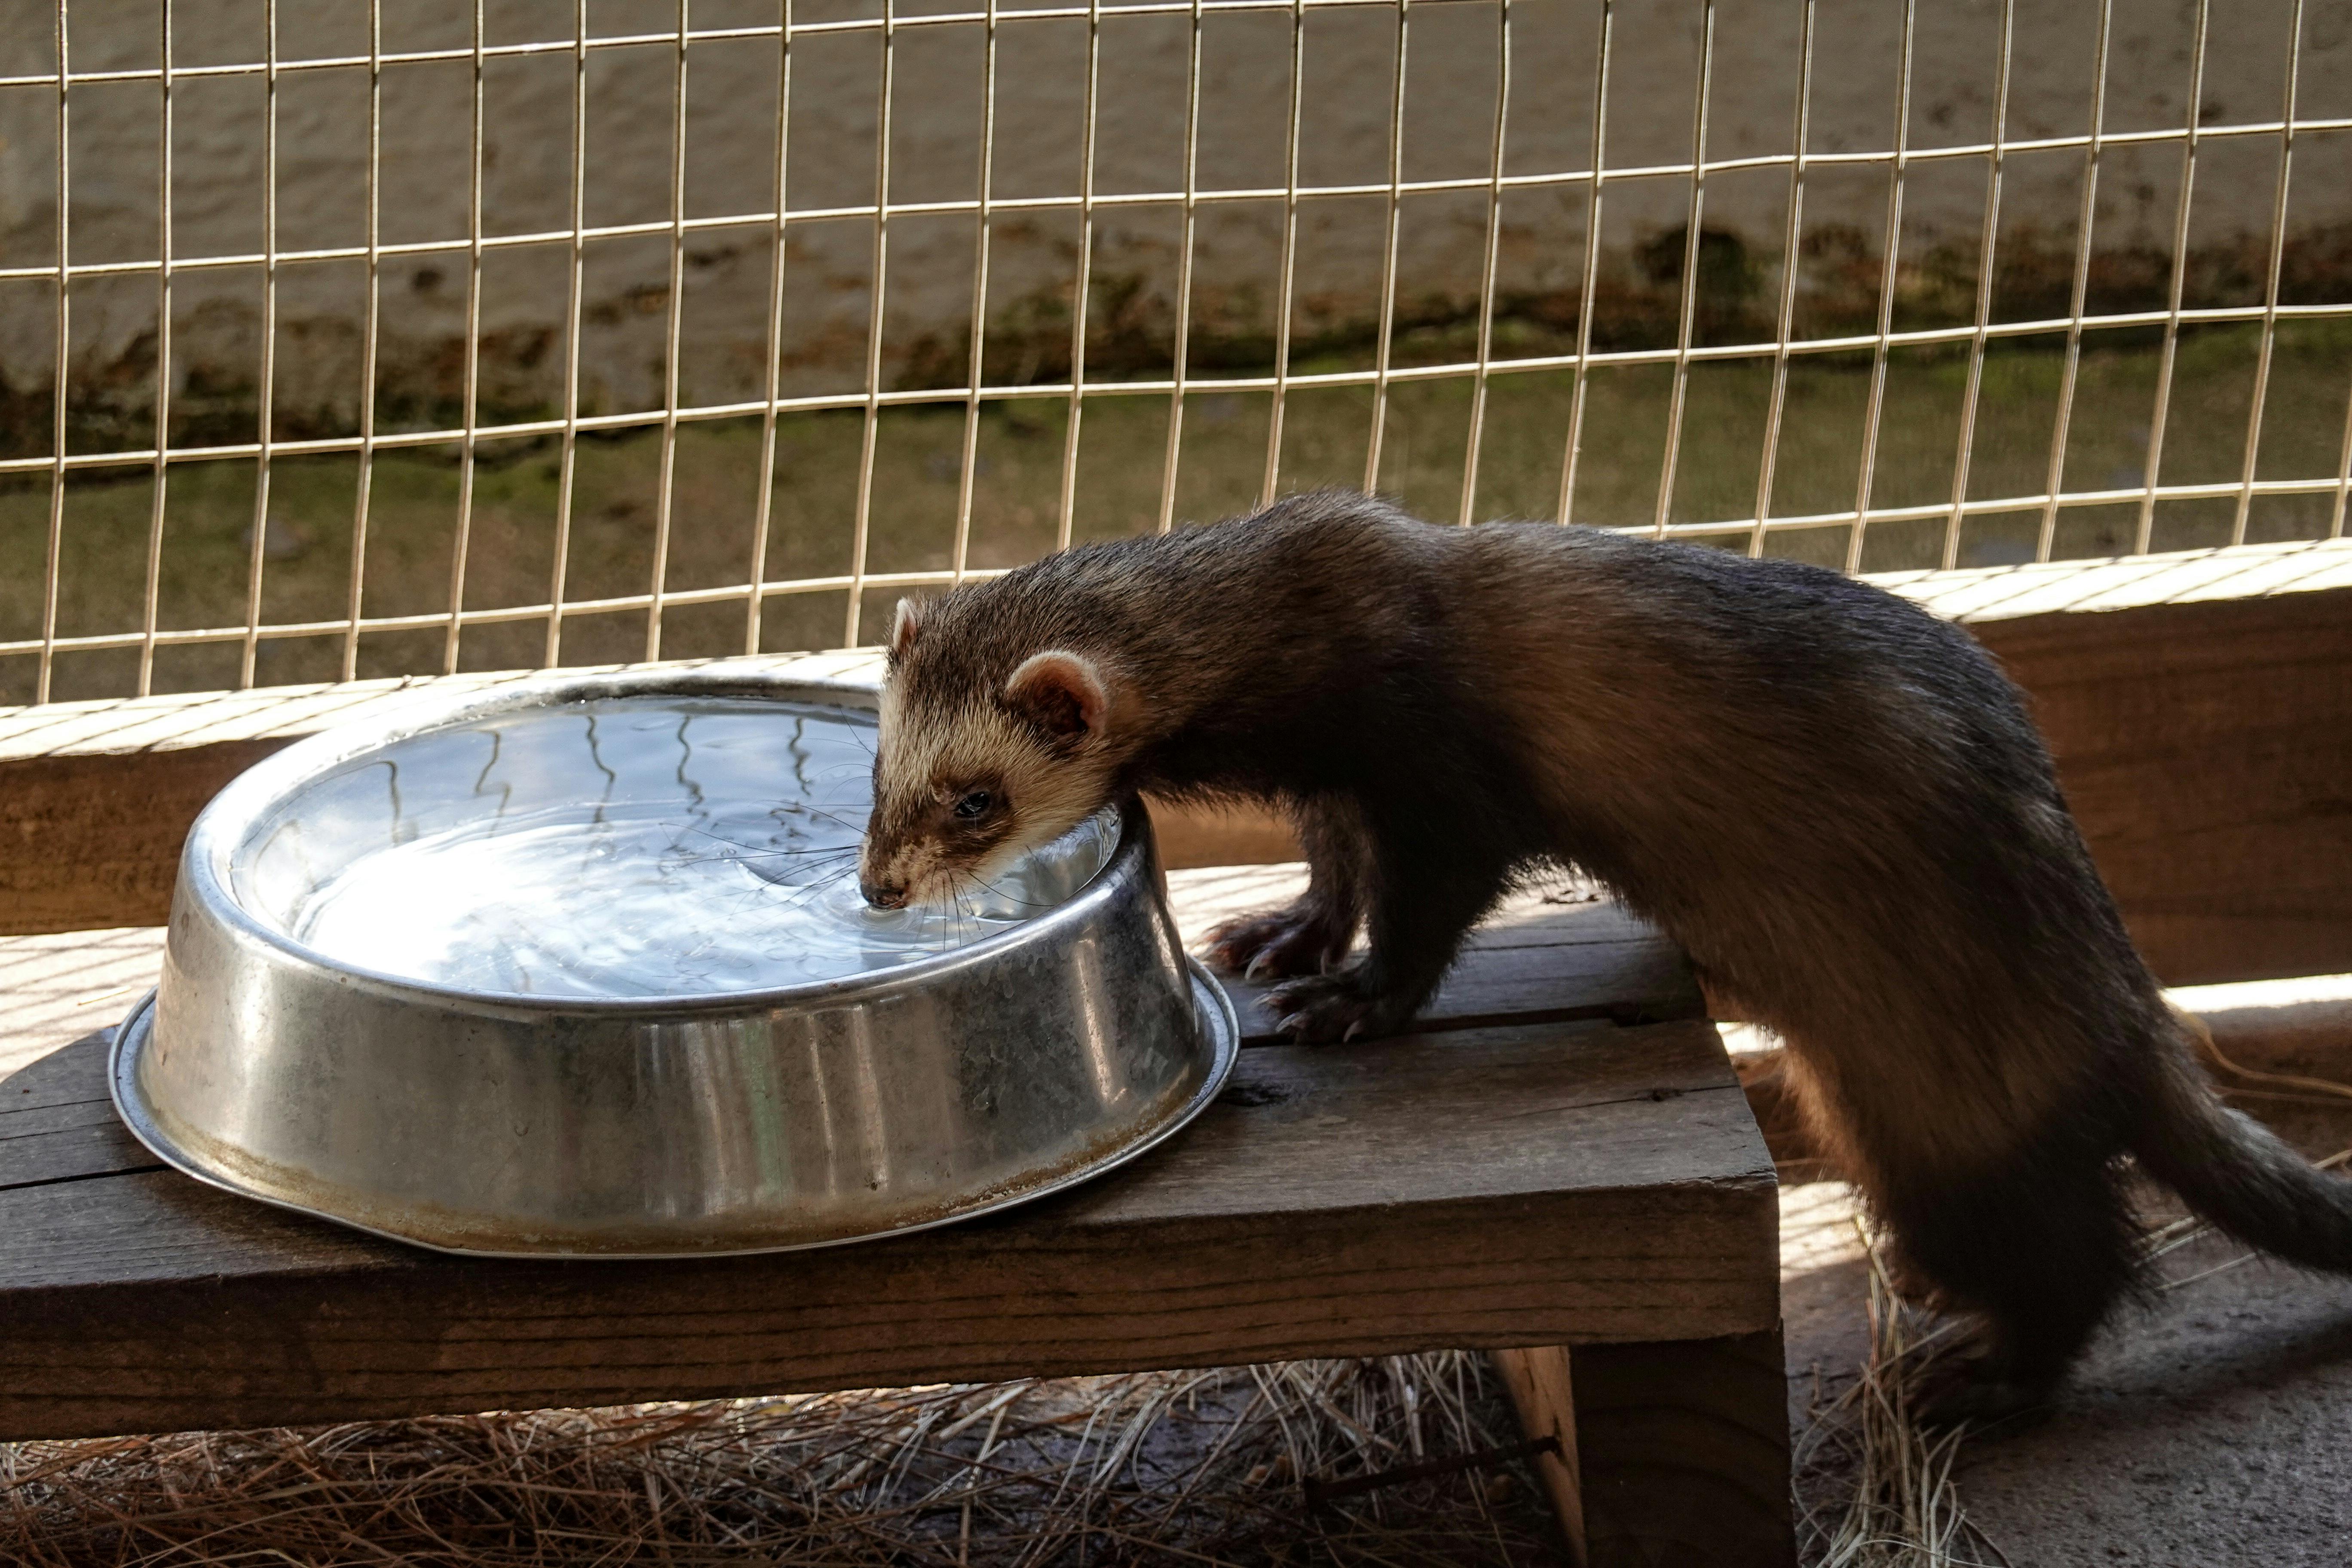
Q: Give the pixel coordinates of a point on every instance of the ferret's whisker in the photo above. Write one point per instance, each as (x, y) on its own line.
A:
(1025, 903)
(751, 854)
(811, 849)
(839, 822)
(967, 921)
(799, 895)
(811, 856)
(824, 874)
(973, 921)
(783, 854)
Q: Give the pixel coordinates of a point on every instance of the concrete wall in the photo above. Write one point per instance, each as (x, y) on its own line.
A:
(732, 122)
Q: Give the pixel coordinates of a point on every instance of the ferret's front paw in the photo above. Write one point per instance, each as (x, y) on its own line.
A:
(1322, 1008)
(1277, 944)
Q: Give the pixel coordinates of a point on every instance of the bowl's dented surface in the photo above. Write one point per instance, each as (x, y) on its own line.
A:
(719, 1119)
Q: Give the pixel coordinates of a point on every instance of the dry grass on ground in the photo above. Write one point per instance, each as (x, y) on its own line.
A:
(1191, 1466)
(1161, 1468)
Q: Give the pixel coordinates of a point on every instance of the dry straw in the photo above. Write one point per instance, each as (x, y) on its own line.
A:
(1900, 1509)
(1179, 1467)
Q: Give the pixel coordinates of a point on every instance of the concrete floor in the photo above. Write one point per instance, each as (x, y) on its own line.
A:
(2212, 1426)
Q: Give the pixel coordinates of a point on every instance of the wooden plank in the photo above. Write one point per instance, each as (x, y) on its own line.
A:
(57, 1124)
(1532, 961)
(1193, 836)
(1683, 1454)
(2206, 749)
(95, 840)
(2199, 705)
(121, 726)
(1541, 1386)
(1974, 595)
(1539, 917)
(1566, 1183)
(56, 988)
(1646, 982)
(1588, 1066)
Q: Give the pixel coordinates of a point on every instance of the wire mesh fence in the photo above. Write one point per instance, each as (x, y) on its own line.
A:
(362, 340)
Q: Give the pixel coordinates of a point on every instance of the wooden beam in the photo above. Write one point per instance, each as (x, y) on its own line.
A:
(1683, 1454)
(90, 841)
(1671, 1454)
(2206, 750)
(2200, 706)
(1195, 836)
(1542, 1392)
(96, 798)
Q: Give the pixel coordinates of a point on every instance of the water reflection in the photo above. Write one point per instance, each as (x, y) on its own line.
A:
(628, 847)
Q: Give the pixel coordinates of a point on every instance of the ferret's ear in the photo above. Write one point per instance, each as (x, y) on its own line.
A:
(903, 627)
(1061, 693)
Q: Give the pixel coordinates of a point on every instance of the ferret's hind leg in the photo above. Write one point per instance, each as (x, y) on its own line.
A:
(2040, 1246)
(1314, 933)
(1425, 893)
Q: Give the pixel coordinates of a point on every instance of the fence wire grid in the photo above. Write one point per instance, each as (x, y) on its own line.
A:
(1488, 146)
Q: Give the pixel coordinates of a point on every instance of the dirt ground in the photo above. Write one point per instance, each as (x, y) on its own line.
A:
(2210, 1426)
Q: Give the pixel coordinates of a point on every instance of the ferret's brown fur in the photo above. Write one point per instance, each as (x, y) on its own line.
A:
(1834, 802)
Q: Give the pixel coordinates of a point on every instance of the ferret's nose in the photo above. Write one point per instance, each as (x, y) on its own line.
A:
(883, 895)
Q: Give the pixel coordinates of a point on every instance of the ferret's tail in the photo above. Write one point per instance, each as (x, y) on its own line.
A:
(2235, 1171)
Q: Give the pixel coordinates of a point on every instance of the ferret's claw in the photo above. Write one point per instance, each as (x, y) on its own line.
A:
(1278, 945)
(1326, 1009)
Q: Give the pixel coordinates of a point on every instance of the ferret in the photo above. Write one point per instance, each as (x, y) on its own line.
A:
(1833, 801)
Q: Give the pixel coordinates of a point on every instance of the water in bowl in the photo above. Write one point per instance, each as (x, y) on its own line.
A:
(625, 846)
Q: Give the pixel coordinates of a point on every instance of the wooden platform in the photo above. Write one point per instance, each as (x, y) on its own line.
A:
(1527, 1174)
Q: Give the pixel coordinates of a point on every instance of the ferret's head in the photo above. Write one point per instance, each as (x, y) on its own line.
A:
(984, 752)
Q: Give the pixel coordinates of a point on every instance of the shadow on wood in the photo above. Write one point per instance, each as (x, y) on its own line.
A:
(1683, 1454)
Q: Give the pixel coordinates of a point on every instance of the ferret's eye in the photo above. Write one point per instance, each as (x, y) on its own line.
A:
(974, 804)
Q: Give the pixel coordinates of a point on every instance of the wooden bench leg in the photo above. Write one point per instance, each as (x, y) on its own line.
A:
(1544, 1396)
(1680, 1450)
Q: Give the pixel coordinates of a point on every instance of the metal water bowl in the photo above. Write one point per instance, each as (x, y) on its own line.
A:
(574, 967)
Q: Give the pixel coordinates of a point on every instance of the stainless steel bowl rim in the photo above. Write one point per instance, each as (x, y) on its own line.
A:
(204, 862)
(1215, 1008)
